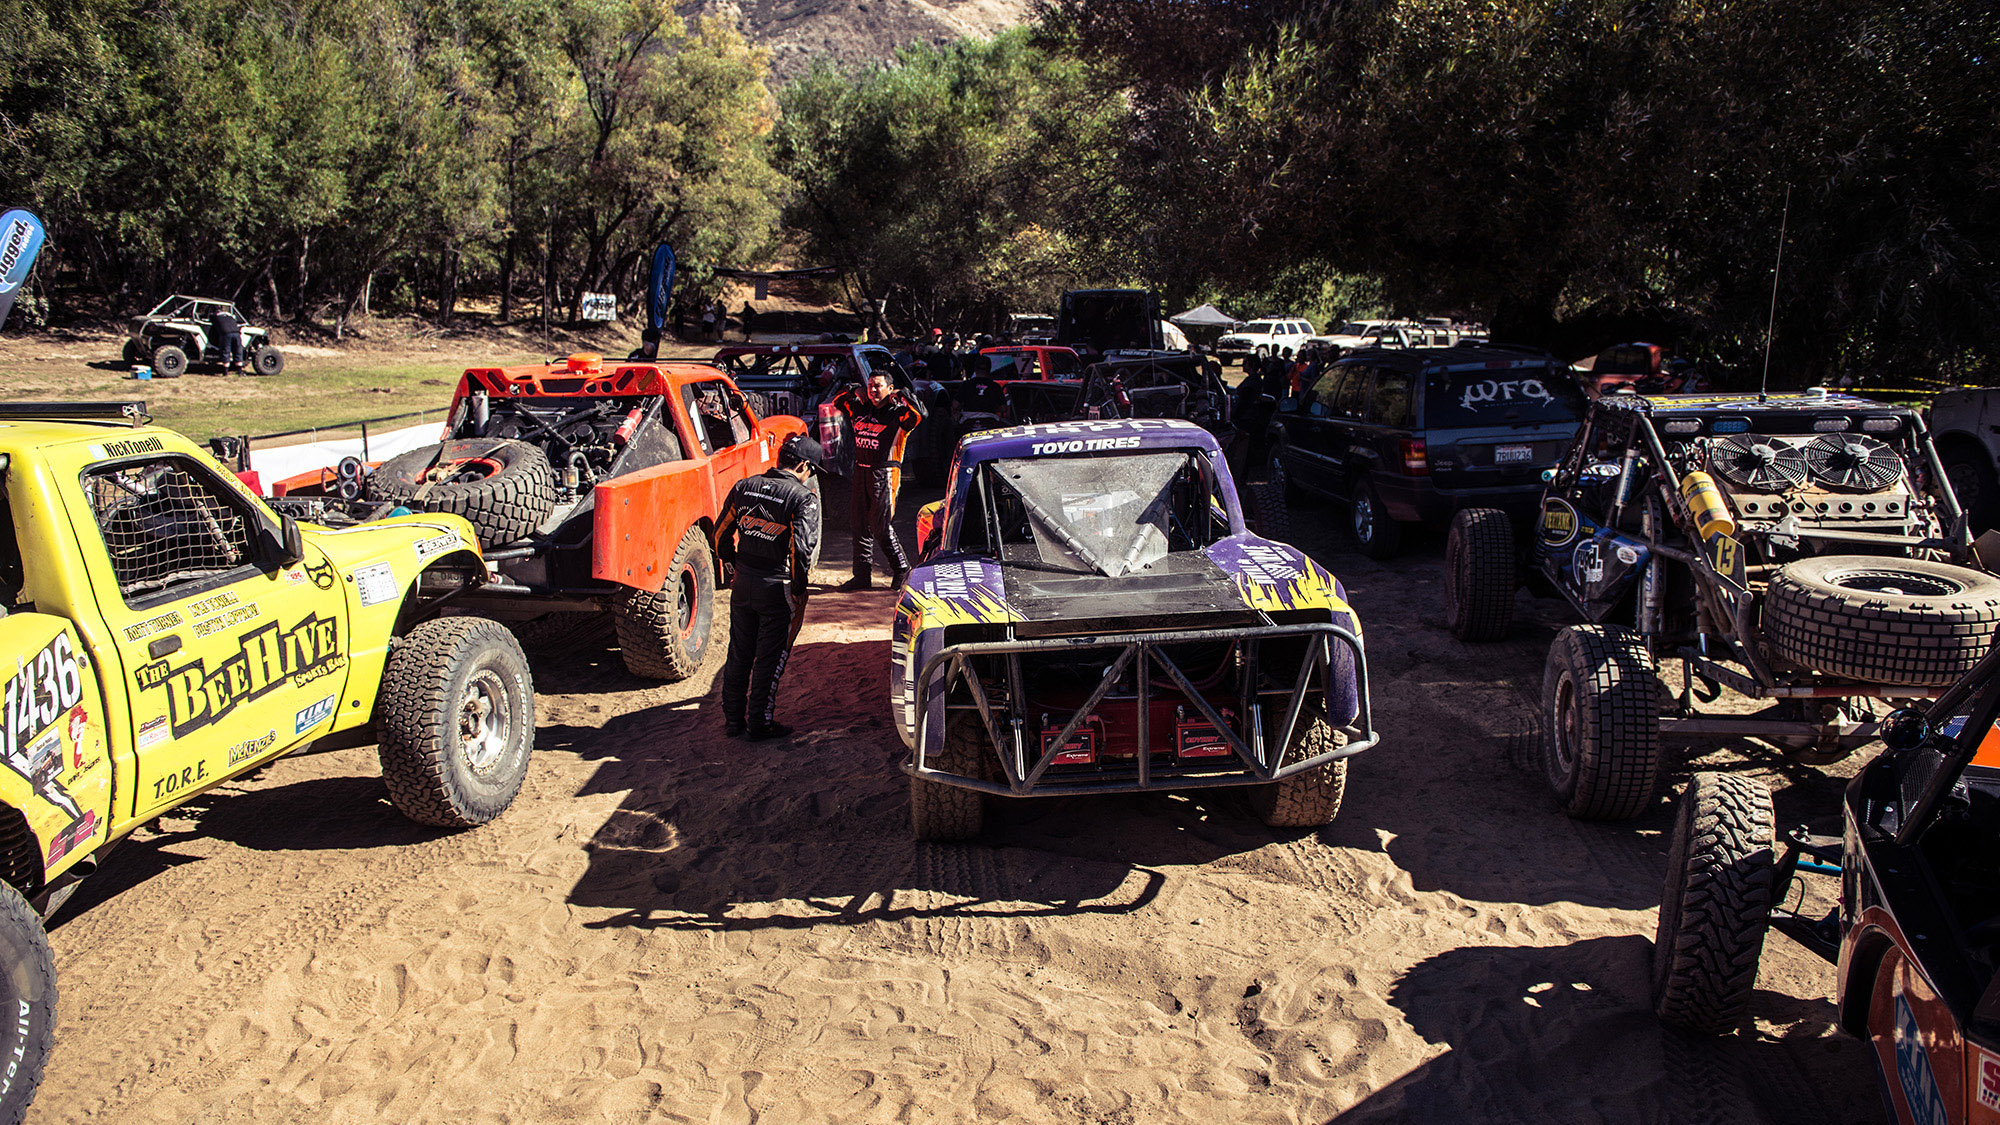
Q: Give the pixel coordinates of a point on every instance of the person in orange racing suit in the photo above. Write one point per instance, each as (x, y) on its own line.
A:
(881, 419)
(769, 532)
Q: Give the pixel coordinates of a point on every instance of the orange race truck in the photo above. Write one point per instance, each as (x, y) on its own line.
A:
(594, 488)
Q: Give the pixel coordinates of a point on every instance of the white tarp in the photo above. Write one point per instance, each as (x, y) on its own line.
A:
(275, 463)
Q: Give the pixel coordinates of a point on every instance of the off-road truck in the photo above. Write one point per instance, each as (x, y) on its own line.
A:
(180, 332)
(162, 630)
(1089, 614)
(594, 489)
(1803, 549)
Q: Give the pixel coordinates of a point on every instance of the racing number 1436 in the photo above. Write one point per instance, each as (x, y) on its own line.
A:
(47, 684)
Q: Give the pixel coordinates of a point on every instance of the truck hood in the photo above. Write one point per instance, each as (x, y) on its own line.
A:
(1185, 590)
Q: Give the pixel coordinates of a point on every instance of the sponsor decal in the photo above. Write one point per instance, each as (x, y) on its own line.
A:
(1628, 555)
(213, 602)
(436, 544)
(229, 620)
(1913, 1069)
(244, 751)
(45, 686)
(152, 732)
(266, 658)
(761, 527)
(1989, 1080)
(1588, 561)
(1559, 522)
(375, 584)
(79, 724)
(1267, 565)
(65, 841)
(319, 670)
(322, 574)
(128, 448)
(312, 716)
(175, 782)
(151, 625)
(1082, 445)
(1727, 555)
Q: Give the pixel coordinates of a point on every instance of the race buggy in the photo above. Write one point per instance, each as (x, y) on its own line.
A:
(1916, 931)
(1792, 547)
(1089, 615)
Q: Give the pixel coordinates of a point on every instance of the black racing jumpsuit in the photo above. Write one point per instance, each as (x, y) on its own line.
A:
(770, 531)
(880, 433)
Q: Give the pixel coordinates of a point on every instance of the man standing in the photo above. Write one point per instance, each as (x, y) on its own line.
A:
(228, 337)
(769, 531)
(880, 418)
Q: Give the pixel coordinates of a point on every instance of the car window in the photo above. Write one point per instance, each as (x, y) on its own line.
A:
(1317, 397)
(1258, 327)
(1352, 401)
(719, 423)
(1391, 406)
(1504, 396)
(165, 523)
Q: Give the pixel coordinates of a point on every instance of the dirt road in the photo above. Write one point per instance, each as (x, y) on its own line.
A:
(671, 926)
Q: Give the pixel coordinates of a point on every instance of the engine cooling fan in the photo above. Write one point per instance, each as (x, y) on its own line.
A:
(1853, 462)
(1758, 464)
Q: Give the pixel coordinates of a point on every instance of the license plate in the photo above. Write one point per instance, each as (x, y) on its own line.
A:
(1513, 454)
(1200, 740)
(1080, 750)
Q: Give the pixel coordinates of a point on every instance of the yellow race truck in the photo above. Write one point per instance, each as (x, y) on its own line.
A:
(162, 630)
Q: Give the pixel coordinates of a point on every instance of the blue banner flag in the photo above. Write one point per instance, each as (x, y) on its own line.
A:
(661, 289)
(20, 240)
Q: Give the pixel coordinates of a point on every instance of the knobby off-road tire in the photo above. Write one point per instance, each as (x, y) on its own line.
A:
(1479, 575)
(1882, 620)
(134, 352)
(1717, 904)
(169, 361)
(267, 360)
(1378, 536)
(758, 403)
(663, 633)
(1268, 515)
(28, 999)
(512, 491)
(1312, 798)
(941, 812)
(1601, 722)
(456, 719)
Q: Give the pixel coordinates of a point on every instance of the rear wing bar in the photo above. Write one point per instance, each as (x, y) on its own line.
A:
(1255, 758)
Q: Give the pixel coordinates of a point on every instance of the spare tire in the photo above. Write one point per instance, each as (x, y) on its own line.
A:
(1882, 620)
(505, 489)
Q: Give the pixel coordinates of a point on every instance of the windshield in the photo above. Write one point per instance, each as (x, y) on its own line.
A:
(1102, 515)
(1258, 327)
(1499, 397)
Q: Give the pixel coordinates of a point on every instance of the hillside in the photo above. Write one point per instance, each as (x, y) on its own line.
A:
(798, 31)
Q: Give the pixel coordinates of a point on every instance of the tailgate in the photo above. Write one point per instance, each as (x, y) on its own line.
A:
(1493, 457)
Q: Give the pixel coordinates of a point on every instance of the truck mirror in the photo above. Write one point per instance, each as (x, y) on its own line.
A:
(291, 541)
(1905, 729)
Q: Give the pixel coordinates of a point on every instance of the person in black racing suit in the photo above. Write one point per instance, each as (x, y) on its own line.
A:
(769, 531)
(881, 420)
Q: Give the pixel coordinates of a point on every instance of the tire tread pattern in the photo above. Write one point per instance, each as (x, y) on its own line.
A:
(1268, 511)
(648, 621)
(415, 721)
(501, 508)
(1717, 904)
(1312, 798)
(1479, 574)
(1858, 635)
(941, 812)
(31, 1018)
(1617, 769)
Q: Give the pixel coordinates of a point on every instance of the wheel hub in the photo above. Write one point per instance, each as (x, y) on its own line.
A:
(483, 721)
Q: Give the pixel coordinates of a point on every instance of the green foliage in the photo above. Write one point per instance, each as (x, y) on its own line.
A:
(954, 183)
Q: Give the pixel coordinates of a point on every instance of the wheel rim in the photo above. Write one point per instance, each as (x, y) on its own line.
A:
(469, 471)
(1364, 519)
(483, 721)
(1454, 559)
(1564, 734)
(685, 604)
(1899, 582)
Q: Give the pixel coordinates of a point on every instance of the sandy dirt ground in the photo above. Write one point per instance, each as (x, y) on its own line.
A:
(672, 926)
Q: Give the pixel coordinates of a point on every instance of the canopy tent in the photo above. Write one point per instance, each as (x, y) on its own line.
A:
(1206, 316)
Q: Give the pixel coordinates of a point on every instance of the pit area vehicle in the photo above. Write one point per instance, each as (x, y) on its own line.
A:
(1915, 933)
(162, 631)
(180, 332)
(1265, 336)
(1409, 436)
(1646, 368)
(1791, 547)
(594, 489)
(802, 379)
(1110, 322)
(1089, 614)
